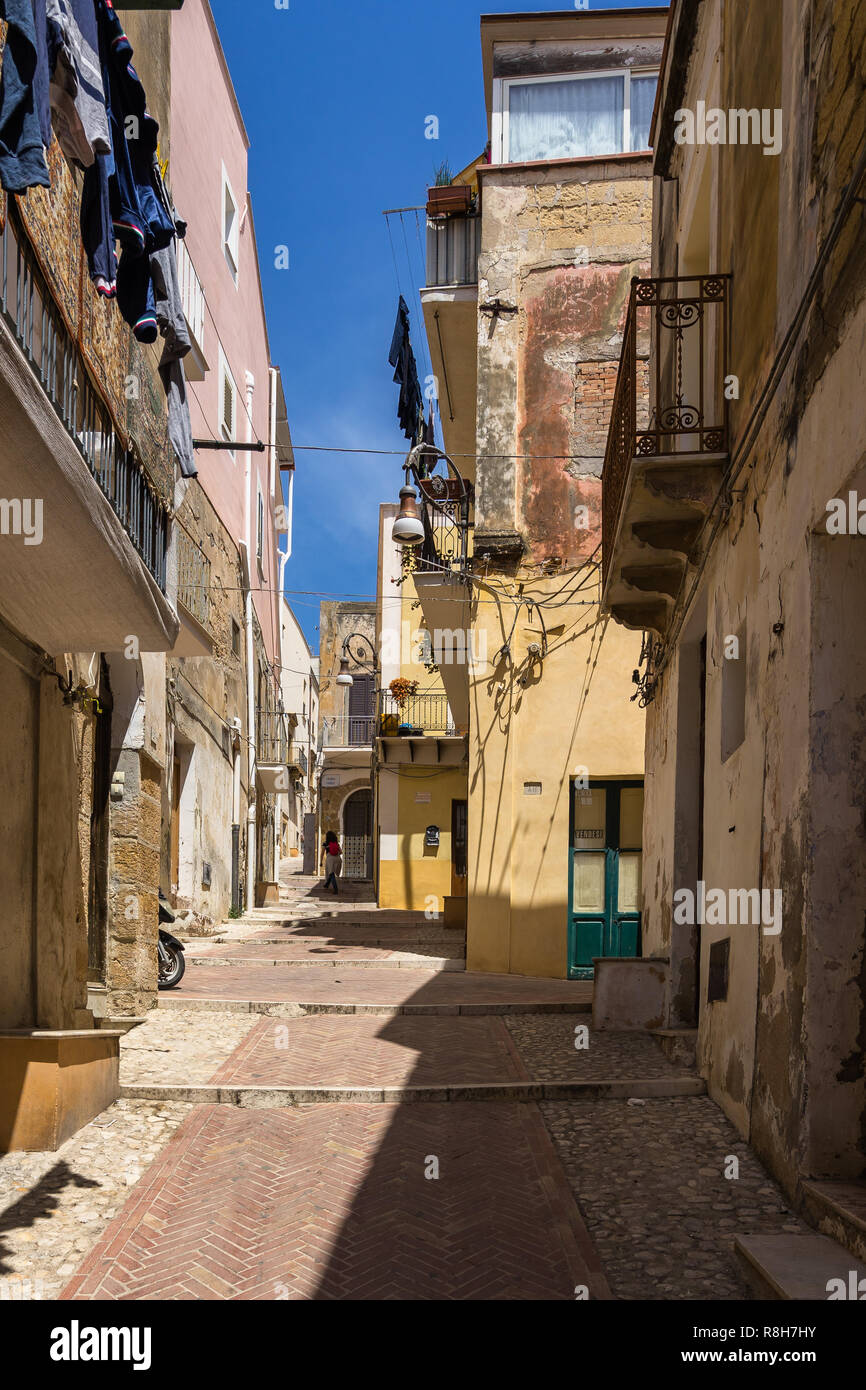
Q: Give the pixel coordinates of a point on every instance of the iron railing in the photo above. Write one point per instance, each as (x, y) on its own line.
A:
(669, 396)
(30, 311)
(272, 743)
(193, 578)
(348, 731)
(298, 757)
(453, 244)
(428, 714)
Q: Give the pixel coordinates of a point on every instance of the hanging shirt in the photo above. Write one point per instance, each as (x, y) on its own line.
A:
(77, 93)
(402, 359)
(23, 92)
(140, 221)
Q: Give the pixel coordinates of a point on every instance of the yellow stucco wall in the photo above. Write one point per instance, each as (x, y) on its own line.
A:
(575, 711)
(419, 874)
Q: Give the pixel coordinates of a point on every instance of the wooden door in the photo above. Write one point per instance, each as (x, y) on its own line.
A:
(604, 873)
(459, 849)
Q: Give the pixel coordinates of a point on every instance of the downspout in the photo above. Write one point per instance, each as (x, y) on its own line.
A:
(251, 685)
(276, 605)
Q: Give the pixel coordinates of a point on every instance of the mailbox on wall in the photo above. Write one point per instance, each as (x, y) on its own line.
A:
(431, 839)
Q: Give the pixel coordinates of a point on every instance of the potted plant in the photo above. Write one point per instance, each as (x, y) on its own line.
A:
(447, 197)
(401, 689)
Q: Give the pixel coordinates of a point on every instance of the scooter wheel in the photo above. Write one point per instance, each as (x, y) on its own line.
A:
(171, 973)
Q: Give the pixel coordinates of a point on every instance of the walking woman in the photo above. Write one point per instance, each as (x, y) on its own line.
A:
(332, 856)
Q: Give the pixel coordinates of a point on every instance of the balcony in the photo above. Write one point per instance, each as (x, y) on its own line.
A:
(668, 444)
(272, 749)
(348, 731)
(98, 570)
(420, 729)
(453, 244)
(297, 759)
(450, 305)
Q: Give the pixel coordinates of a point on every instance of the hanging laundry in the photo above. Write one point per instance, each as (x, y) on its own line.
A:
(173, 327)
(23, 100)
(138, 217)
(402, 359)
(42, 73)
(77, 92)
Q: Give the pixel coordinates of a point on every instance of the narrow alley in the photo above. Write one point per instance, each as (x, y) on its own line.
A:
(331, 1107)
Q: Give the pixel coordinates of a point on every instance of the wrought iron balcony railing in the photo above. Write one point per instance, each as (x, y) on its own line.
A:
(453, 244)
(272, 744)
(29, 309)
(670, 392)
(427, 714)
(348, 731)
(297, 757)
(193, 578)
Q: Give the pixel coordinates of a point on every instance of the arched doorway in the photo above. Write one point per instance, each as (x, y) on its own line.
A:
(358, 835)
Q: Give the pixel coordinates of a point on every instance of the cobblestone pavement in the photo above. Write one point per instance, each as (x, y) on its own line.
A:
(349, 1202)
(323, 985)
(546, 1043)
(54, 1206)
(649, 1179)
(184, 1046)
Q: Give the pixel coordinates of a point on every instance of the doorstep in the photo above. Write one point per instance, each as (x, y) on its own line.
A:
(799, 1267)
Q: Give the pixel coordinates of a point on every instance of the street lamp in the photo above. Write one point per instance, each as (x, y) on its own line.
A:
(408, 528)
(344, 676)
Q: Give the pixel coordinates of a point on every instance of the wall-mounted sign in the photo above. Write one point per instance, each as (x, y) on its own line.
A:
(422, 796)
(532, 789)
(330, 779)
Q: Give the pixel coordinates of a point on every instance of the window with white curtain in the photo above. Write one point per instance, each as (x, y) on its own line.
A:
(576, 117)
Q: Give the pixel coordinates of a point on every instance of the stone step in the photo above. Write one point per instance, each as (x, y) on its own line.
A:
(273, 1097)
(393, 943)
(678, 1044)
(797, 1266)
(395, 962)
(838, 1209)
(277, 1008)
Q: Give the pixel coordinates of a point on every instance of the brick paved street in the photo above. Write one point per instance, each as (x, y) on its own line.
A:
(334, 1200)
(317, 984)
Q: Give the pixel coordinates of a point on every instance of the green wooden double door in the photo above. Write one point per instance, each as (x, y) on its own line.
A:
(604, 873)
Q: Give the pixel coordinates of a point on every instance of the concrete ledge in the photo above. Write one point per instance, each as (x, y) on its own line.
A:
(629, 993)
(289, 1008)
(275, 1097)
(797, 1266)
(52, 1083)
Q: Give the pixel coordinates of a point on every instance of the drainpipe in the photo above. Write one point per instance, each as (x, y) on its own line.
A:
(251, 684)
(237, 733)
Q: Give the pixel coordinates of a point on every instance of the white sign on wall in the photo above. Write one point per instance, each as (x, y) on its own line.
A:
(330, 779)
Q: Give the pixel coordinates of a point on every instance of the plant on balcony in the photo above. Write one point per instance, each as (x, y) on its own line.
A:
(401, 689)
(446, 196)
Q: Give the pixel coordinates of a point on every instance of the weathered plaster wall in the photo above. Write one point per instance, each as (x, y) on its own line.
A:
(560, 244)
(785, 1053)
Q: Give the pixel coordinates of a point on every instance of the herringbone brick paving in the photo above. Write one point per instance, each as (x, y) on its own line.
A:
(324, 985)
(329, 1050)
(332, 1202)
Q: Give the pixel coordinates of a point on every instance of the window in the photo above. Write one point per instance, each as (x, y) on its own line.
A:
(231, 227)
(574, 117)
(236, 637)
(228, 404)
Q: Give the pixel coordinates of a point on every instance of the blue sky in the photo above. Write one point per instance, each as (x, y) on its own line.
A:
(334, 95)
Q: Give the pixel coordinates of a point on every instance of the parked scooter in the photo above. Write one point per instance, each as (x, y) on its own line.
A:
(171, 962)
